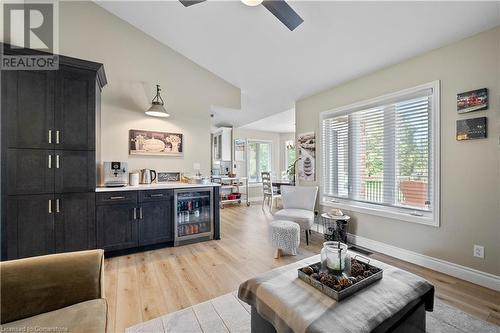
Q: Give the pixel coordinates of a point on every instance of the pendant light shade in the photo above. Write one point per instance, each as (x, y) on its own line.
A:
(252, 3)
(157, 109)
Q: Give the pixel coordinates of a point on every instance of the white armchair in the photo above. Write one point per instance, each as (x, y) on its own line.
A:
(298, 206)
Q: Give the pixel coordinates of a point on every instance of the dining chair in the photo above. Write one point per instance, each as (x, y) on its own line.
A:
(268, 191)
(298, 206)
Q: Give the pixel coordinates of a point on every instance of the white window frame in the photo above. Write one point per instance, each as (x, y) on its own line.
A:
(432, 218)
(270, 142)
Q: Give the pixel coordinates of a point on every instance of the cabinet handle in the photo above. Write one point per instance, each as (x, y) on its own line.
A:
(140, 213)
(155, 195)
(57, 206)
(116, 198)
(135, 213)
(57, 137)
(50, 161)
(50, 136)
(57, 161)
(50, 206)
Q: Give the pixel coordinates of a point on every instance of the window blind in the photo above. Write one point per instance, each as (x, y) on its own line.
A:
(381, 153)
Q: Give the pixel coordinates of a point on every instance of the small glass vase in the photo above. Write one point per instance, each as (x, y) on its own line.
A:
(334, 258)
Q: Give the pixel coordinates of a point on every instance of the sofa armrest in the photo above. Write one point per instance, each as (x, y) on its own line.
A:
(41, 284)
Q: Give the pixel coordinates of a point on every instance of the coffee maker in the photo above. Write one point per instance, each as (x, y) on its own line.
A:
(115, 174)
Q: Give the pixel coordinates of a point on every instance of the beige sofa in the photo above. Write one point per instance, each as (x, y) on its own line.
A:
(54, 293)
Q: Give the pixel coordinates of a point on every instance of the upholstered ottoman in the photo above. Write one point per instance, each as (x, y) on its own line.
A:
(285, 236)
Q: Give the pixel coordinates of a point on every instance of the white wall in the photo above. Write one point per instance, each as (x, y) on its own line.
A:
(134, 63)
(470, 171)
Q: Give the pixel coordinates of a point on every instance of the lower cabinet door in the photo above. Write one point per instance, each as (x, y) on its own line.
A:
(156, 223)
(29, 226)
(75, 226)
(116, 226)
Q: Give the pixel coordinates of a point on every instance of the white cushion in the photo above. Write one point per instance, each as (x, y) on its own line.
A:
(305, 218)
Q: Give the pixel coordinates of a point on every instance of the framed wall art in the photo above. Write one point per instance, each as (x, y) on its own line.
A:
(165, 177)
(142, 142)
(306, 144)
(470, 129)
(475, 100)
(239, 150)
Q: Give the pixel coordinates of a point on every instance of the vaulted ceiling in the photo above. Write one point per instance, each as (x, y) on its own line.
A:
(274, 67)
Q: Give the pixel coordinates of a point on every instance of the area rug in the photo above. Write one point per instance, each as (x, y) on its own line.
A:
(227, 314)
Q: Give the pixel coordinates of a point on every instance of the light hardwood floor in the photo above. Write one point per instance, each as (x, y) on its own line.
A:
(143, 286)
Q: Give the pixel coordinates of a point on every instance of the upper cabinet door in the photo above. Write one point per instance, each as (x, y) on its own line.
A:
(75, 109)
(28, 108)
(30, 171)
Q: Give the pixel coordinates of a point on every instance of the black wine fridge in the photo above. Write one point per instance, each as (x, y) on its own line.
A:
(193, 215)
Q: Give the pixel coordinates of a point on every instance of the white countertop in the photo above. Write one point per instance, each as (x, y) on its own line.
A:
(155, 186)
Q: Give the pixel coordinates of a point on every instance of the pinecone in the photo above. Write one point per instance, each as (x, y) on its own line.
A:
(344, 282)
(324, 278)
(308, 270)
(374, 269)
(353, 279)
(329, 282)
(315, 276)
(359, 278)
(357, 269)
(367, 274)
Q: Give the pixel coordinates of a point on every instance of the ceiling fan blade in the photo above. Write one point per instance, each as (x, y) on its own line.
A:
(188, 3)
(284, 13)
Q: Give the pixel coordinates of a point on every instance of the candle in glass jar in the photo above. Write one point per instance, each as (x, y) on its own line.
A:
(333, 256)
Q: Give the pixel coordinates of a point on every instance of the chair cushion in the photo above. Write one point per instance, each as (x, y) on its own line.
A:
(305, 218)
(84, 317)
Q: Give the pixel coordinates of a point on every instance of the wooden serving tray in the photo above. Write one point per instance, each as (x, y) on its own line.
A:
(341, 294)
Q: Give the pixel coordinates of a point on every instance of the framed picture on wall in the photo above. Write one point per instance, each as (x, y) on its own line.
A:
(475, 100)
(306, 144)
(165, 177)
(239, 150)
(142, 142)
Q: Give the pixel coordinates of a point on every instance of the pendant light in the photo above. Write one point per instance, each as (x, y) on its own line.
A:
(157, 109)
(252, 3)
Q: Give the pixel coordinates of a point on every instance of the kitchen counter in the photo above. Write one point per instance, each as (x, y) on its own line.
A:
(156, 186)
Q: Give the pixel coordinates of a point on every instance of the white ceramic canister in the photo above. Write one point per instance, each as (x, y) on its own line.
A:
(133, 179)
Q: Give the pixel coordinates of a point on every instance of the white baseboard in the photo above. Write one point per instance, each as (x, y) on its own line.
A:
(465, 273)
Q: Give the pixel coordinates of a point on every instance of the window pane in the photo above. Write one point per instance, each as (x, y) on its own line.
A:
(264, 157)
(412, 151)
(291, 153)
(369, 145)
(335, 149)
(252, 162)
(259, 159)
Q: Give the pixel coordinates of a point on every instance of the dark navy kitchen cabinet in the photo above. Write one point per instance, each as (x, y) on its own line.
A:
(48, 121)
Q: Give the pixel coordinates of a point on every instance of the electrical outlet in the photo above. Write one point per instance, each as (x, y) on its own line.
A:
(479, 251)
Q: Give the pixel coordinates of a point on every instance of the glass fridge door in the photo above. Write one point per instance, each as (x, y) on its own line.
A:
(193, 213)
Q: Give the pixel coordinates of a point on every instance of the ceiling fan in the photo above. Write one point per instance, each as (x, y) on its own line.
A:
(278, 8)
